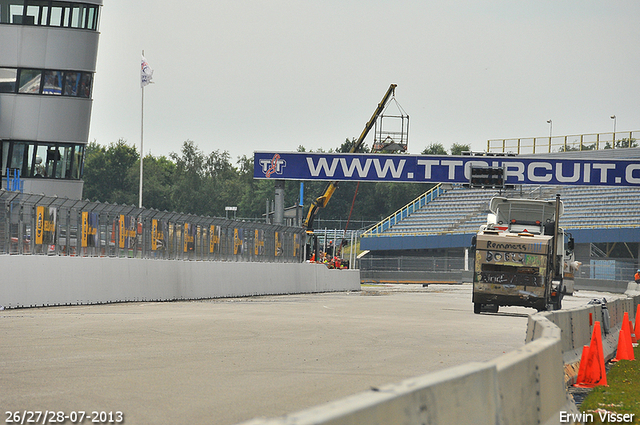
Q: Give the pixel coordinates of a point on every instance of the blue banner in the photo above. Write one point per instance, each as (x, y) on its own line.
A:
(441, 168)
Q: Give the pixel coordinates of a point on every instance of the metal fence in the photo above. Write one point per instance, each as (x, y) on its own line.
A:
(40, 225)
(418, 264)
(577, 142)
(608, 269)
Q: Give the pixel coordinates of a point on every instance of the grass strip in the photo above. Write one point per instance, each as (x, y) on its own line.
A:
(622, 396)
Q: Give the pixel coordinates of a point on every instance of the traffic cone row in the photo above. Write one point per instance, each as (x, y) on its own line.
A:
(625, 346)
(634, 338)
(637, 327)
(592, 372)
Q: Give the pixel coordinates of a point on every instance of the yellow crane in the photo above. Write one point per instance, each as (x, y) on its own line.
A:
(323, 200)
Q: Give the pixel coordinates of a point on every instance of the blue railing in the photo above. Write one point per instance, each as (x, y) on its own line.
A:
(14, 183)
(405, 211)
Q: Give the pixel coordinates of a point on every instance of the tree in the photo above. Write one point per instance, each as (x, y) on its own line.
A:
(457, 149)
(107, 176)
(158, 179)
(348, 145)
(222, 186)
(626, 143)
(434, 149)
(187, 194)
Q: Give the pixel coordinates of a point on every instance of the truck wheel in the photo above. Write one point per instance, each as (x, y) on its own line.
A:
(495, 308)
(477, 307)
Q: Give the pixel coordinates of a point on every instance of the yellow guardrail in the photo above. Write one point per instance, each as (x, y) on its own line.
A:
(404, 212)
(577, 142)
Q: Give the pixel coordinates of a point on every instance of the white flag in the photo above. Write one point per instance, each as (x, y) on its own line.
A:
(146, 73)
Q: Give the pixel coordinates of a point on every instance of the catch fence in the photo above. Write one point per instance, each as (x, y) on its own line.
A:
(41, 225)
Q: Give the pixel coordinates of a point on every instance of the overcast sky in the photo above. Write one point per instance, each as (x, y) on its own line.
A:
(245, 75)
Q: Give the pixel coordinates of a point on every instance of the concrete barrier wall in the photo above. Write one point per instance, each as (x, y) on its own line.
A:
(602, 285)
(525, 386)
(576, 326)
(34, 280)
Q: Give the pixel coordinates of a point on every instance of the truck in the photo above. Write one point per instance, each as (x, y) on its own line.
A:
(522, 257)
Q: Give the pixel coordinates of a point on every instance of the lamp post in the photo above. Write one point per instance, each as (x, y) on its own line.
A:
(613, 117)
(550, 133)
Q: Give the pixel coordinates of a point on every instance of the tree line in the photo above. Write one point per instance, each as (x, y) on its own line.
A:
(194, 182)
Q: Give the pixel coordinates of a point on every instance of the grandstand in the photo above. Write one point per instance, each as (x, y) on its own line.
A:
(462, 210)
(599, 217)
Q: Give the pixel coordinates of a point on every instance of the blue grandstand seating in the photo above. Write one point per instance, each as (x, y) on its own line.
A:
(461, 210)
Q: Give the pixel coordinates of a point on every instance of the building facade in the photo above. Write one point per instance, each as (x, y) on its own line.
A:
(48, 53)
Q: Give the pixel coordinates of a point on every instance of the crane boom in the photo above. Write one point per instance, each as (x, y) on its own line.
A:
(323, 200)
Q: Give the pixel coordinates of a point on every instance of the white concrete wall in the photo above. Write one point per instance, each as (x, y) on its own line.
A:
(33, 280)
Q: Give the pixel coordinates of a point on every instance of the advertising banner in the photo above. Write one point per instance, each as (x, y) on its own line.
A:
(128, 232)
(189, 237)
(89, 229)
(442, 168)
(296, 244)
(214, 238)
(45, 225)
(237, 241)
(278, 244)
(258, 242)
(158, 230)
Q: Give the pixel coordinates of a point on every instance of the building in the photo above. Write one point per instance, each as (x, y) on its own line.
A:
(48, 53)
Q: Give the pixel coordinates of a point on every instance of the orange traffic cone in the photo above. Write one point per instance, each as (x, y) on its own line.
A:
(637, 327)
(583, 365)
(592, 372)
(625, 347)
(634, 337)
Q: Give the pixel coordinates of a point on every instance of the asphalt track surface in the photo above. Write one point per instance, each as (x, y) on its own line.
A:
(228, 360)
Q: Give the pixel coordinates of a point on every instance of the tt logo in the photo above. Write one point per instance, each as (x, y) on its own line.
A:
(273, 165)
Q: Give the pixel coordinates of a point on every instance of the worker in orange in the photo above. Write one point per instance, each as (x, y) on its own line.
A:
(637, 277)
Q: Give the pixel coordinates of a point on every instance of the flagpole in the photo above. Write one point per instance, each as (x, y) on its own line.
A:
(141, 143)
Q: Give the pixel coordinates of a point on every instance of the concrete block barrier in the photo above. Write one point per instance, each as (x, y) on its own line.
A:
(35, 280)
(601, 285)
(461, 395)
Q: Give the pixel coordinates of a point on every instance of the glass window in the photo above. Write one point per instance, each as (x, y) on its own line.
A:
(63, 166)
(92, 17)
(52, 82)
(66, 15)
(30, 81)
(5, 156)
(84, 9)
(76, 163)
(53, 159)
(11, 11)
(31, 150)
(17, 156)
(72, 83)
(45, 12)
(85, 85)
(40, 168)
(75, 16)
(8, 77)
(36, 160)
(56, 15)
(37, 12)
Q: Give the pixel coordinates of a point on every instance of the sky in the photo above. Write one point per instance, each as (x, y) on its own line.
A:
(246, 75)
